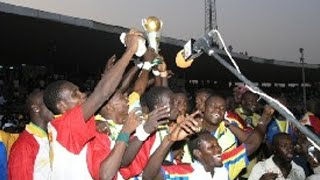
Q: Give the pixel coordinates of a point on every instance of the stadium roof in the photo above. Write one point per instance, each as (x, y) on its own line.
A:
(30, 36)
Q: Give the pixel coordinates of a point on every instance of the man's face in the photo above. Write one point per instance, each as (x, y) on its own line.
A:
(41, 109)
(284, 148)
(249, 102)
(200, 101)
(119, 103)
(167, 99)
(71, 96)
(214, 110)
(210, 152)
(180, 102)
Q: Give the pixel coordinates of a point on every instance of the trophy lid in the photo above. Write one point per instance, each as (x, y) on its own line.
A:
(152, 24)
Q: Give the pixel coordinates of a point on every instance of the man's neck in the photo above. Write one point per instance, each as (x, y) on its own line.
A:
(208, 168)
(284, 166)
(111, 116)
(246, 112)
(40, 123)
(209, 127)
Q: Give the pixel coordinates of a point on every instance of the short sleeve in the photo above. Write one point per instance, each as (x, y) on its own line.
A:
(22, 158)
(73, 132)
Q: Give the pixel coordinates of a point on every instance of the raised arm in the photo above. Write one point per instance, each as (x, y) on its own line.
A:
(255, 138)
(141, 83)
(155, 119)
(110, 78)
(110, 166)
(127, 79)
(179, 133)
(241, 134)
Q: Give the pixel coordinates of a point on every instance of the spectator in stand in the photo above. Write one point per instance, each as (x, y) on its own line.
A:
(312, 115)
(277, 125)
(280, 165)
(201, 96)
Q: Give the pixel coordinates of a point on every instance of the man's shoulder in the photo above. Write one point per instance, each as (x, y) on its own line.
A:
(295, 166)
(25, 138)
(25, 142)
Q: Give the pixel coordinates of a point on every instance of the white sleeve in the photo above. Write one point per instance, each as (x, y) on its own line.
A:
(257, 171)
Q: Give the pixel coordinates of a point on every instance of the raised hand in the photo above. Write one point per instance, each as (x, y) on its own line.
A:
(156, 118)
(149, 55)
(269, 176)
(132, 38)
(185, 128)
(267, 114)
(162, 67)
(133, 121)
(103, 127)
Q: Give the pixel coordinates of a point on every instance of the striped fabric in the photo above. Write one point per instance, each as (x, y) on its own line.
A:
(234, 161)
(177, 172)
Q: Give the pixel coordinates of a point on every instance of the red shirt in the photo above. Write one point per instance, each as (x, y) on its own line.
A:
(77, 148)
(29, 157)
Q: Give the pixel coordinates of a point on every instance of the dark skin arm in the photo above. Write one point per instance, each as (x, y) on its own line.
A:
(253, 139)
(151, 82)
(239, 133)
(157, 81)
(163, 68)
(110, 166)
(269, 176)
(142, 82)
(256, 137)
(110, 78)
(179, 133)
(127, 79)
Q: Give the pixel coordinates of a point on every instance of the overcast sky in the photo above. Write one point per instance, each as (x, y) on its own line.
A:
(273, 29)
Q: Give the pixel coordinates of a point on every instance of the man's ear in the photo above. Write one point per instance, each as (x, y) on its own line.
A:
(61, 106)
(109, 107)
(35, 108)
(197, 154)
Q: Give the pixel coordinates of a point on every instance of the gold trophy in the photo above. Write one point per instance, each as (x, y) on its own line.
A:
(152, 25)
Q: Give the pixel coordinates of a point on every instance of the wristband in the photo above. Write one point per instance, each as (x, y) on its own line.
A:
(156, 72)
(147, 66)
(139, 65)
(141, 134)
(261, 123)
(124, 137)
(164, 74)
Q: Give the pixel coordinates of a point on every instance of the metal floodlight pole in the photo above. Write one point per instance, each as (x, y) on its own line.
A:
(301, 50)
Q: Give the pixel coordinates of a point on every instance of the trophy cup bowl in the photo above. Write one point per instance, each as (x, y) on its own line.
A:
(152, 26)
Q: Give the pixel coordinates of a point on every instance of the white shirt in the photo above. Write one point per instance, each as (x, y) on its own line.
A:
(267, 166)
(220, 173)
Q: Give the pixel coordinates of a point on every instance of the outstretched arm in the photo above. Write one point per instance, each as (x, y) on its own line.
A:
(126, 80)
(110, 78)
(141, 83)
(180, 132)
(110, 166)
(155, 119)
(241, 134)
(255, 138)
